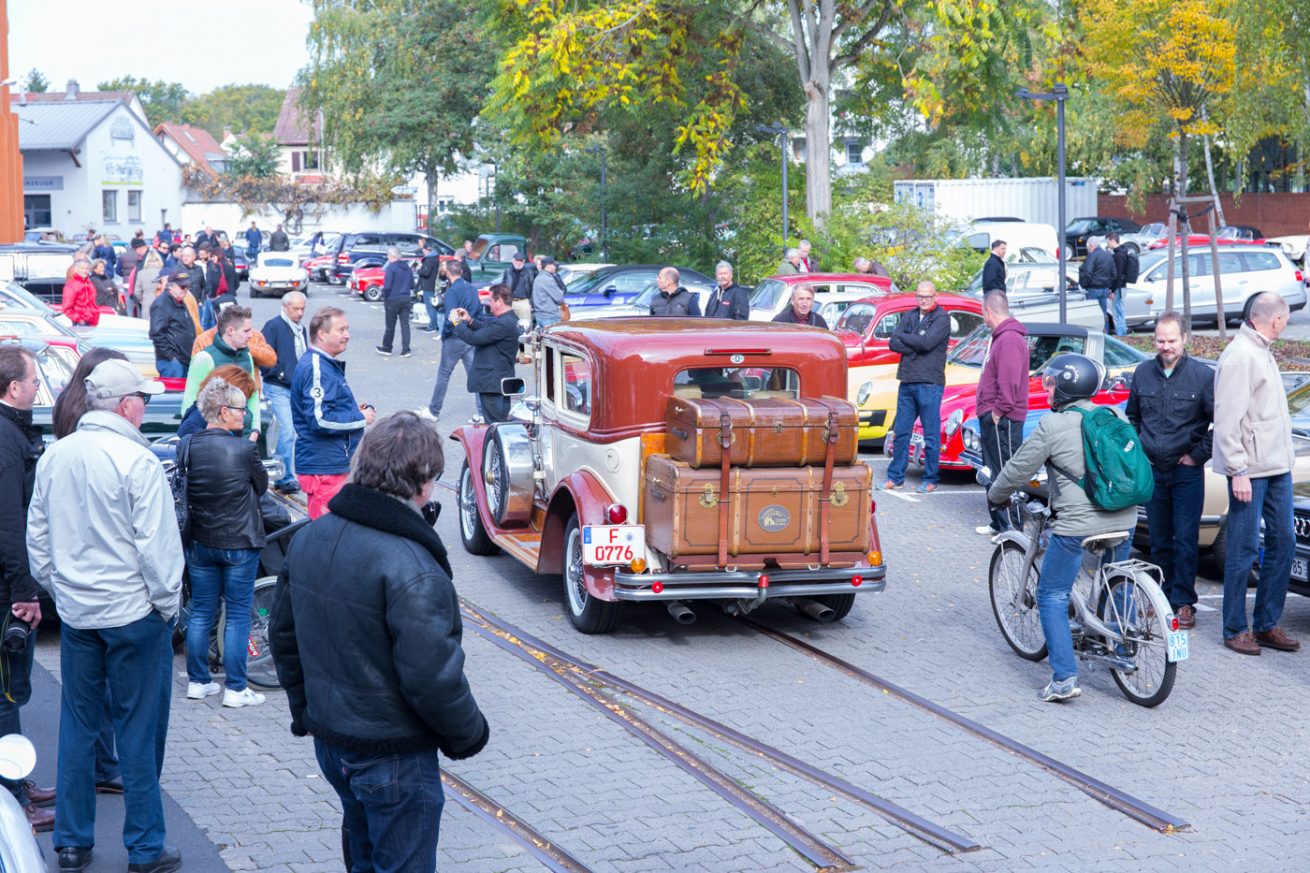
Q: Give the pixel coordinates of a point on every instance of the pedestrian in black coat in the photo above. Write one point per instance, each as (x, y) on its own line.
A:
(994, 270)
(495, 342)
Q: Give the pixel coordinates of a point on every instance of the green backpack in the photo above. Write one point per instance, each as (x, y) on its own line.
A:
(1118, 471)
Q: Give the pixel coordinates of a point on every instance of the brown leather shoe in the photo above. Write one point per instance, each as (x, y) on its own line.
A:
(38, 795)
(1186, 616)
(1243, 644)
(40, 819)
(1274, 638)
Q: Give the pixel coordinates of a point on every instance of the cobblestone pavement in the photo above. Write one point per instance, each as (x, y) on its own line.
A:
(1221, 753)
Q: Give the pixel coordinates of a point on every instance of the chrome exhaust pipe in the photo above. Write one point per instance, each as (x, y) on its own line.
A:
(681, 614)
(816, 610)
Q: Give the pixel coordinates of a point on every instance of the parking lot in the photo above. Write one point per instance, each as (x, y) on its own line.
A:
(1219, 757)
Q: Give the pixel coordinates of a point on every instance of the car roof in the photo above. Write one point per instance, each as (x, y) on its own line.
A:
(801, 278)
(643, 352)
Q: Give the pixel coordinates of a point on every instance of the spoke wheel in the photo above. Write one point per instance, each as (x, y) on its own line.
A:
(1127, 607)
(471, 531)
(587, 613)
(1015, 605)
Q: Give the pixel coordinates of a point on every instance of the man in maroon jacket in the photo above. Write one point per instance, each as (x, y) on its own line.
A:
(1002, 395)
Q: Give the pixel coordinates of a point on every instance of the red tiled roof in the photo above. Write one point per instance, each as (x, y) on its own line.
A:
(53, 96)
(198, 143)
(291, 128)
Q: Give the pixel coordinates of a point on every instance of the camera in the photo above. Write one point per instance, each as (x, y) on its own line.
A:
(15, 637)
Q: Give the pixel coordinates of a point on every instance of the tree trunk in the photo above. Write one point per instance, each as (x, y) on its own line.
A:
(818, 153)
(1184, 229)
(431, 176)
(1209, 174)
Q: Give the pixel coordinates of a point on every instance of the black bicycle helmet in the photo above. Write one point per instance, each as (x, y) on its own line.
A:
(1077, 377)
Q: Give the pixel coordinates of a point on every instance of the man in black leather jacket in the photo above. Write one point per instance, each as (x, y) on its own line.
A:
(921, 340)
(366, 636)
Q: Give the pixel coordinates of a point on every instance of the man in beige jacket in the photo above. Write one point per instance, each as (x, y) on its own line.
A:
(1253, 448)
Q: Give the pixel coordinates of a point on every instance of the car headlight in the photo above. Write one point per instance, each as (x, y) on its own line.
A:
(954, 421)
(970, 441)
(863, 394)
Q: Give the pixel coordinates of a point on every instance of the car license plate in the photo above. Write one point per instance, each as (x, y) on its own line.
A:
(1299, 570)
(1178, 646)
(612, 544)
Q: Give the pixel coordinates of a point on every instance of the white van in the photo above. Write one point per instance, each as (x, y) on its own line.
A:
(1017, 234)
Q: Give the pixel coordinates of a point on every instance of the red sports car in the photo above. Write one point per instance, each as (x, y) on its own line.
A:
(867, 325)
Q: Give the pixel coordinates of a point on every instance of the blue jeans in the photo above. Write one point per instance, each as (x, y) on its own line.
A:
(1100, 295)
(170, 369)
(279, 400)
(1173, 516)
(922, 401)
(434, 314)
(1064, 558)
(392, 806)
(453, 351)
(544, 321)
(1271, 498)
(229, 573)
(1117, 313)
(136, 662)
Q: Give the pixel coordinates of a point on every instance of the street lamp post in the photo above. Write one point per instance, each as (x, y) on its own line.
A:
(780, 130)
(604, 222)
(491, 187)
(1059, 93)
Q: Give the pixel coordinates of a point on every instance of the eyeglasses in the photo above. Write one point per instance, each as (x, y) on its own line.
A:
(925, 296)
(145, 398)
(237, 409)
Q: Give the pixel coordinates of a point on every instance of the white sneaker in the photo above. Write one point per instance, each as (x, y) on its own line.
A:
(426, 414)
(984, 530)
(201, 690)
(244, 697)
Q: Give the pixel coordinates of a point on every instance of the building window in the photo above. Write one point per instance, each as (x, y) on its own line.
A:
(854, 152)
(295, 162)
(311, 160)
(36, 210)
(134, 207)
(109, 206)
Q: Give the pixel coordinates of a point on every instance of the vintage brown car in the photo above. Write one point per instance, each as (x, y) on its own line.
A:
(614, 473)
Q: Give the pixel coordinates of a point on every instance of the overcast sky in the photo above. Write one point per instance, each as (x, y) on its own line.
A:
(243, 41)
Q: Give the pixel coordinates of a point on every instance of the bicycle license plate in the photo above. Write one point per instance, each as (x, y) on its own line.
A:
(1178, 645)
(1299, 570)
(613, 544)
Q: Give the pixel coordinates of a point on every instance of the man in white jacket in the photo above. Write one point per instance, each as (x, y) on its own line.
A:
(102, 538)
(1253, 448)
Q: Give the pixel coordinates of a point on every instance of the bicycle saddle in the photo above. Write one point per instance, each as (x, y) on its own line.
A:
(1105, 541)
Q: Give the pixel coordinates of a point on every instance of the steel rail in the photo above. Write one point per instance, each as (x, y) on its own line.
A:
(550, 855)
(930, 832)
(1120, 801)
(823, 857)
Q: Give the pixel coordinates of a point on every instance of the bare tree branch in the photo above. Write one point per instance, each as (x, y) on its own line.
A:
(853, 53)
(767, 32)
(859, 15)
(799, 44)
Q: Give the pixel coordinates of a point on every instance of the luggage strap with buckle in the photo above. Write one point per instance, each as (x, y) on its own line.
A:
(725, 465)
(825, 503)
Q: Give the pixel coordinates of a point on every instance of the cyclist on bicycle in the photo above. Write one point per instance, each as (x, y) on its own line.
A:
(1070, 380)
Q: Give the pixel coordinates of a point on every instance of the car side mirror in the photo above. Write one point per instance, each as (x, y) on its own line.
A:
(513, 387)
(610, 290)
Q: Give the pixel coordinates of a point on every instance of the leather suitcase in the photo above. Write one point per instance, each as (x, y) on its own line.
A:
(772, 511)
(773, 432)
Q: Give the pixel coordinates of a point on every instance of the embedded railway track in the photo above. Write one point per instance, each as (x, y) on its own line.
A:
(1120, 801)
(589, 681)
(551, 856)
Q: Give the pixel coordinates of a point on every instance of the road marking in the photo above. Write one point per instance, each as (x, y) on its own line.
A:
(899, 495)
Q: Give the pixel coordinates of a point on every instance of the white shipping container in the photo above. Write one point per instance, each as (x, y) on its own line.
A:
(1026, 199)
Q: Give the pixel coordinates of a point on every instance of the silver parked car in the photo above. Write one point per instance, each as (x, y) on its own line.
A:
(1244, 272)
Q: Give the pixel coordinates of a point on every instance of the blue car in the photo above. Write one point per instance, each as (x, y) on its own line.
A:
(623, 284)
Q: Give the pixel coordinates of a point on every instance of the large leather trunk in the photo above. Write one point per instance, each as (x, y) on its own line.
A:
(774, 432)
(772, 511)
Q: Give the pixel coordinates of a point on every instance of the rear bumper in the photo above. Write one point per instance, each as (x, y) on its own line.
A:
(745, 584)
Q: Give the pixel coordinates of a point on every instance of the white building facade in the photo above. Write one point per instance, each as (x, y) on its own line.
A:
(90, 161)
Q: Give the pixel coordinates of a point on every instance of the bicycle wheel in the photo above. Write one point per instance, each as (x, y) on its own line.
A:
(260, 670)
(1127, 605)
(1015, 609)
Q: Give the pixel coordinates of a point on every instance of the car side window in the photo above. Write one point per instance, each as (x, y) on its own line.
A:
(577, 384)
(1230, 262)
(366, 239)
(1042, 348)
(857, 318)
(552, 392)
(506, 251)
(1259, 261)
(887, 325)
(963, 324)
(1119, 354)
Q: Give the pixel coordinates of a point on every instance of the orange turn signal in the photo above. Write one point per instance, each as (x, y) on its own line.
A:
(637, 565)
(875, 559)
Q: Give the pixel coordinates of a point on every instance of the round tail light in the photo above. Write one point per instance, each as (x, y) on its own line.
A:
(617, 513)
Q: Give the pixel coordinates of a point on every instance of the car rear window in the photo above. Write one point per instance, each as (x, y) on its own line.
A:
(742, 383)
(769, 294)
(278, 262)
(1260, 261)
(355, 240)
